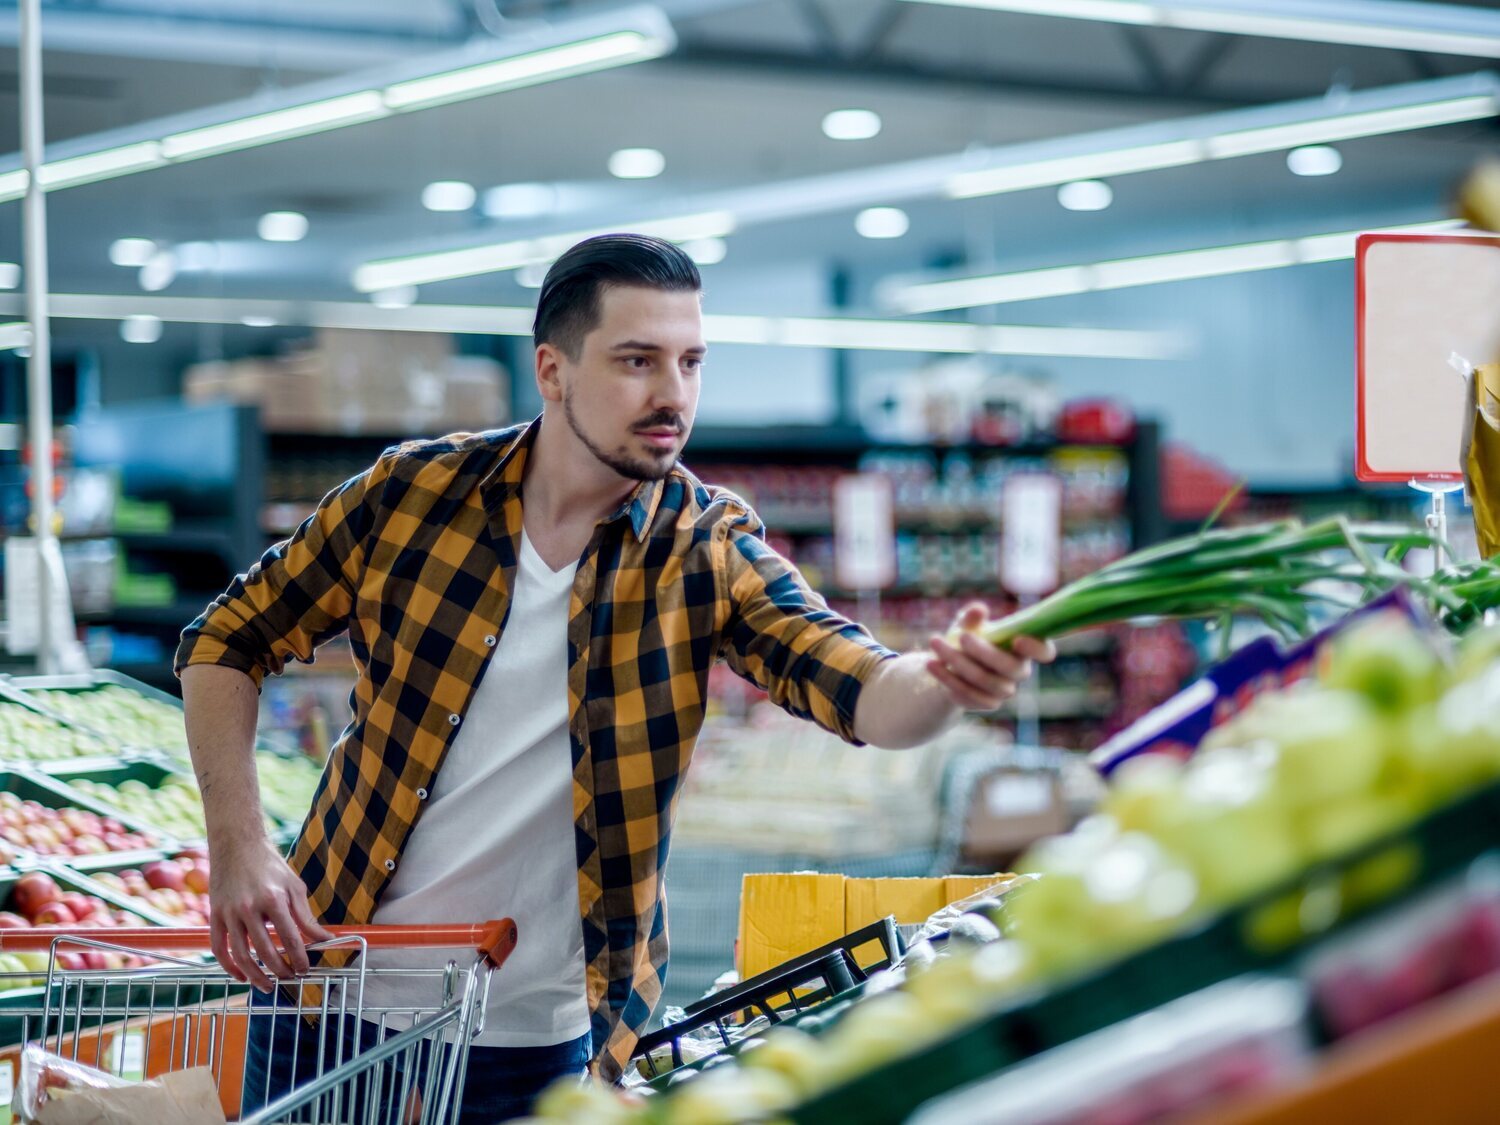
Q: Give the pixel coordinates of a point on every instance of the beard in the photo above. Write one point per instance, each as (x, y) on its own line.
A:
(632, 467)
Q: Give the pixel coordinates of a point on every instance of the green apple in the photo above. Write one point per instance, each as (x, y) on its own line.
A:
(1388, 661)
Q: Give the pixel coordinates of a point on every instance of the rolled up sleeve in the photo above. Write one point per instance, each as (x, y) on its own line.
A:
(298, 595)
(781, 635)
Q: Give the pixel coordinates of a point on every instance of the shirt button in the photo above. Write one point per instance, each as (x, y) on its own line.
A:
(421, 794)
(489, 641)
(453, 720)
(390, 865)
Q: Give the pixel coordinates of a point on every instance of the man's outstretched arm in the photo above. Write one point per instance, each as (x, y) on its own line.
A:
(913, 698)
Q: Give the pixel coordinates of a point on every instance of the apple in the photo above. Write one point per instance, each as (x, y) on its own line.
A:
(196, 880)
(1387, 661)
(95, 959)
(165, 874)
(34, 891)
(71, 962)
(10, 921)
(54, 914)
(83, 906)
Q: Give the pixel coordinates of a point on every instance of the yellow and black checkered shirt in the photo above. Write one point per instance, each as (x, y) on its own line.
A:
(416, 558)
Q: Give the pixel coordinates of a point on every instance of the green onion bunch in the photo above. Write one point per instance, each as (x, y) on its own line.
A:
(1282, 572)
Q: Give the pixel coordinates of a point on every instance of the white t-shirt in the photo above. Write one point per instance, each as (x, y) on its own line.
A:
(496, 839)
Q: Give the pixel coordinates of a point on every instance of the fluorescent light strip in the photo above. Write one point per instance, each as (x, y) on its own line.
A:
(1222, 146)
(838, 333)
(95, 166)
(16, 334)
(650, 39)
(278, 125)
(525, 70)
(1125, 273)
(445, 265)
(1443, 28)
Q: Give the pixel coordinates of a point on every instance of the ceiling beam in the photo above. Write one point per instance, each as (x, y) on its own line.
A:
(696, 51)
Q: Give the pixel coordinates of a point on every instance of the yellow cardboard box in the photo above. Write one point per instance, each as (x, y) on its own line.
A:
(786, 915)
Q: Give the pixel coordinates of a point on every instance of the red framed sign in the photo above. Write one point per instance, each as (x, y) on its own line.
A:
(1423, 302)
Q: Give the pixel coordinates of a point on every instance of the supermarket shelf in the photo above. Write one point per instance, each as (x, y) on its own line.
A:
(176, 614)
(1435, 1065)
(217, 540)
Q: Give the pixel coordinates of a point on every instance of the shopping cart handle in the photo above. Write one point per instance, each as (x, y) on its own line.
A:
(496, 939)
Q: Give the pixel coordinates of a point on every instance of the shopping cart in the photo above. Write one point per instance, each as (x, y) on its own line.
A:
(350, 1058)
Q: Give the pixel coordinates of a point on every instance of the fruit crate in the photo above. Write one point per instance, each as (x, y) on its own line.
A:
(90, 708)
(1269, 933)
(45, 790)
(86, 879)
(33, 738)
(150, 774)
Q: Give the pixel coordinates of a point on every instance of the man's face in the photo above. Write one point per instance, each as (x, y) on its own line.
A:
(632, 394)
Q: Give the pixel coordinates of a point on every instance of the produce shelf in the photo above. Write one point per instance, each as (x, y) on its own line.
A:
(1434, 1065)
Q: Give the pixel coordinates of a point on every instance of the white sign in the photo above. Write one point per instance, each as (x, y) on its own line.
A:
(1031, 534)
(23, 604)
(1420, 299)
(864, 532)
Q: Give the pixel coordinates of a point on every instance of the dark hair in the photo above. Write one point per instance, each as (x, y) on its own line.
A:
(568, 308)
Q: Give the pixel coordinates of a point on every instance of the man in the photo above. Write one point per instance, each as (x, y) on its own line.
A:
(598, 580)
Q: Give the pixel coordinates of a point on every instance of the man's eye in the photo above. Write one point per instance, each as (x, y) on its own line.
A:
(693, 364)
(637, 361)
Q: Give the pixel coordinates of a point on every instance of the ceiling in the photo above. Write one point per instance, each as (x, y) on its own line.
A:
(739, 103)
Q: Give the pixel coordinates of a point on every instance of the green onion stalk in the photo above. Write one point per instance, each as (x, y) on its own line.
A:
(1281, 572)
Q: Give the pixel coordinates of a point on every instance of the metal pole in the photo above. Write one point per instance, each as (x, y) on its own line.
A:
(39, 369)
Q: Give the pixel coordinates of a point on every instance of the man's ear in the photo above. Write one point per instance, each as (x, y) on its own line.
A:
(549, 373)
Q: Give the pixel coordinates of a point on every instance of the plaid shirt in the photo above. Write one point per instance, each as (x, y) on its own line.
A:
(416, 558)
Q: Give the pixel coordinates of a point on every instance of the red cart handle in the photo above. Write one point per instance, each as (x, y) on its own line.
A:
(496, 939)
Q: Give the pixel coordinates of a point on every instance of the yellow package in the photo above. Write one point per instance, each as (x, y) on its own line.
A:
(1482, 457)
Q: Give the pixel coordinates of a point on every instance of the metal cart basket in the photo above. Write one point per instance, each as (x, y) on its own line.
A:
(343, 1054)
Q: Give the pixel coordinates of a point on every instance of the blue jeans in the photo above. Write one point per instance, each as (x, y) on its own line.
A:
(284, 1052)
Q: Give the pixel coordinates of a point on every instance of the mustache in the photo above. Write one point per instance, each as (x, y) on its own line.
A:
(659, 419)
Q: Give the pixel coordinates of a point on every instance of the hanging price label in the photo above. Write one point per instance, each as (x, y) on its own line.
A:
(1031, 534)
(864, 532)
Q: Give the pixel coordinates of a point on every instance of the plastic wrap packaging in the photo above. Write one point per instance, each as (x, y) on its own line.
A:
(1481, 456)
(53, 1090)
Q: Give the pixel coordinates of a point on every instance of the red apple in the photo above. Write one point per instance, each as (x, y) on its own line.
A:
(55, 914)
(196, 880)
(95, 959)
(69, 961)
(165, 874)
(34, 891)
(9, 921)
(81, 905)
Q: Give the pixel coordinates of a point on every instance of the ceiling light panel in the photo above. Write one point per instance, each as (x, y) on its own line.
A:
(589, 44)
(1123, 273)
(446, 265)
(1397, 24)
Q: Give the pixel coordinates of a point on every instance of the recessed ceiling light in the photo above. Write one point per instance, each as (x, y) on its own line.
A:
(159, 272)
(10, 275)
(637, 163)
(399, 297)
(283, 226)
(706, 251)
(882, 222)
(531, 275)
(851, 125)
(131, 252)
(1314, 160)
(1085, 195)
(258, 321)
(520, 201)
(448, 195)
(140, 329)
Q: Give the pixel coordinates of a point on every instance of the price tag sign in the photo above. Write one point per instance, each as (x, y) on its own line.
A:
(864, 532)
(1031, 534)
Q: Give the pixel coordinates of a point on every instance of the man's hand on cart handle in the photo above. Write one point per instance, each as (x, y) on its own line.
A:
(251, 887)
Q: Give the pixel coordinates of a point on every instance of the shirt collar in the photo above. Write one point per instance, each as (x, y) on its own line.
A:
(504, 482)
